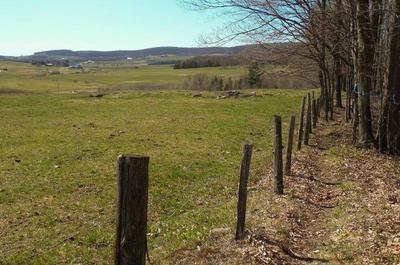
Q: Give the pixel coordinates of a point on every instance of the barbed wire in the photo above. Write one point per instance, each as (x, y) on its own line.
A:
(358, 91)
(47, 249)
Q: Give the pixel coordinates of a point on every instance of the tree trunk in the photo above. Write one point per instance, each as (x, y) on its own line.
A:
(364, 63)
(338, 83)
(392, 95)
(356, 118)
(336, 54)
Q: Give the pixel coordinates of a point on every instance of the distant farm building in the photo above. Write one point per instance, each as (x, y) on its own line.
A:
(76, 66)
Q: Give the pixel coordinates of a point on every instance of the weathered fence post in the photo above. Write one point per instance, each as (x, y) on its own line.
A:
(309, 112)
(301, 123)
(315, 115)
(308, 122)
(131, 238)
(278, 163)
(242, 194)
(288, 164)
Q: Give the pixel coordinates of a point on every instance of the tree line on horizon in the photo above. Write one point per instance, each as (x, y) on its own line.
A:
(208, 61)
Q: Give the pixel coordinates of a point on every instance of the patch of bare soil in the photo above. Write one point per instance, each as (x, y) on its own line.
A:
(231, 94)
(341, 206)
(13, 91)
(237, 94)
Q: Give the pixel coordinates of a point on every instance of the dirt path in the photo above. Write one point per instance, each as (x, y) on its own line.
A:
(364, 225)
(341, 206)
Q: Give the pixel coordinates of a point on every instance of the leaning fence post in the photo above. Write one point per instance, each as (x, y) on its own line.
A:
(278, 163)
(131, 238)
(288, 164)
(242, 194)
(301, 125)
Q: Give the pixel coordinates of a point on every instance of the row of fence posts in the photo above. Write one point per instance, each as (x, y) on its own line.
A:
(133, 179)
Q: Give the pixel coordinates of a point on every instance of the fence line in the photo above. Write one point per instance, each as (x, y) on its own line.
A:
(132, 171)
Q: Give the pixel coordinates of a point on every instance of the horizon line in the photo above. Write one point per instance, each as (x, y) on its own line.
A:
(126, 50)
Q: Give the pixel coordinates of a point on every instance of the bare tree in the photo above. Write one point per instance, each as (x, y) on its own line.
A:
(354, 44)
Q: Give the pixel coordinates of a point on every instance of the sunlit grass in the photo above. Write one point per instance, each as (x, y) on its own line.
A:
(96, 77)
(57, 168)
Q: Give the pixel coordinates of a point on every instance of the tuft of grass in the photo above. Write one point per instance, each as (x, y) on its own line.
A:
(345, 186)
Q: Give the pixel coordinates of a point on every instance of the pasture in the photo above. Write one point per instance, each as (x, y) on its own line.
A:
(101, 77)
(59, 150)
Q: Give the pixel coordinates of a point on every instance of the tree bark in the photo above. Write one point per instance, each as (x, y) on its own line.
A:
(365, 68)
(337, 62)
(392, 95)
(338, 83)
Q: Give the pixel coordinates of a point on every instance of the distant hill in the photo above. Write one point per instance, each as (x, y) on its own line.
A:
(120, 55)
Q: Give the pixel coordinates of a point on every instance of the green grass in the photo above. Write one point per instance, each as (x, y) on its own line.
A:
(65, 184)
(100, 76)
(58, 160)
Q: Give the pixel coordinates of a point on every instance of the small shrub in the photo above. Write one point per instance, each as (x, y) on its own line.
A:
(229, 84)
(255, 73)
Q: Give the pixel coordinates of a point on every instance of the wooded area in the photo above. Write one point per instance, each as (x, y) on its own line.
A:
(354, 46)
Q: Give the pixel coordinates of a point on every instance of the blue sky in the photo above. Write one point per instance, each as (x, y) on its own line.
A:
(36, 25)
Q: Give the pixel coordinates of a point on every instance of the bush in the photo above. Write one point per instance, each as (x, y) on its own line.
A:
(212, 83)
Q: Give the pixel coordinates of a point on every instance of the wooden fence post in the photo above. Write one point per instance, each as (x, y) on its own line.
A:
(301, 123)
(278, 163)
(309, 112)
(288, 164)
(315, 115)
(131, 238)
(308, 122)
(242, 194)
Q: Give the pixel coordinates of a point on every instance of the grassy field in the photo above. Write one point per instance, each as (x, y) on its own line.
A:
(58, 162)
(97, 77)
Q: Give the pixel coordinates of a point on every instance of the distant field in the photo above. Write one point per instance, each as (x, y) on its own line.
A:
(57, 166)
(98, 77)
